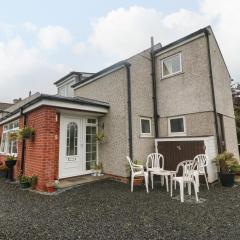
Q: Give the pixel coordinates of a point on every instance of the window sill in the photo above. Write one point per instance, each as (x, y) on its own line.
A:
(172, 75)
(145, 136)
(177, 134)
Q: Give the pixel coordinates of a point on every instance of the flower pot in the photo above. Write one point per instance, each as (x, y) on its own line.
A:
(24, 185)
(51, 189)
(10, 163)
(138, 181)
(226, 179)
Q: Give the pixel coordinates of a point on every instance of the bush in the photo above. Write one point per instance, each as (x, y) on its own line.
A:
(227, 162)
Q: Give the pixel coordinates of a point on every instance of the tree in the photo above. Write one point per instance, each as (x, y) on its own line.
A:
(236, 104)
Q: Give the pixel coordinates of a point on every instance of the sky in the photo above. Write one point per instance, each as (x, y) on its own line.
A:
(41, 41)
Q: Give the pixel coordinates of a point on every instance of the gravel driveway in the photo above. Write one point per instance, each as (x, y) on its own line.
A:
(107, 210)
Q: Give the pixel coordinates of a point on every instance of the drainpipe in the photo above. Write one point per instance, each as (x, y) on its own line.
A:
(23, 142)
(213, 92)
(154, 86)
(129, 101)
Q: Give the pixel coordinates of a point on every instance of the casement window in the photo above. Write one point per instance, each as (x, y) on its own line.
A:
(171, 65)
(176, 126)
(9, 146)
(145, 127)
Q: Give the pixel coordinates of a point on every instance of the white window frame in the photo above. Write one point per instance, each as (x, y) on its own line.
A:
(150, 123)
(97, 144)
(6, 146)
(170, 133)
(167, 58)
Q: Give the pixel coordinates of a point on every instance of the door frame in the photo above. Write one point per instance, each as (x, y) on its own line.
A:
(82, 140)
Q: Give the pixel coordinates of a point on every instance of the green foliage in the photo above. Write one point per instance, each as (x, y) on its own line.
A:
(100, 137)
(26, 133)
(10, 158)
(24, 179)
(226, 161)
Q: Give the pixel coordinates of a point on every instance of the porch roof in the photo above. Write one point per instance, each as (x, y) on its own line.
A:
(38, 99)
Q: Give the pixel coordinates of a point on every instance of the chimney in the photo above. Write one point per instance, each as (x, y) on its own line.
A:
(17, 100)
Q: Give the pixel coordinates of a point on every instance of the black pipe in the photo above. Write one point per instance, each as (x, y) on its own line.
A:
(154, 87)
(23, 142)
(213, 91)
(129, 101)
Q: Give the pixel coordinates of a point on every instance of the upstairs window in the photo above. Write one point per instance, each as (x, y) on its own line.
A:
(176, 126)
(9, 146)
(171, 65)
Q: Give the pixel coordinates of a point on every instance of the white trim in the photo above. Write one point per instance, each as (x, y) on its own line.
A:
(177, 133)
(75, 106)
(150, 124)
(168, 58)
(180, 44)
(100, 76)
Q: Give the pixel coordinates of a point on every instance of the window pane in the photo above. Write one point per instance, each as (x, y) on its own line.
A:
(14, 147)
(93, 121)
(145, 125)
(171, 65)
(177, 125)
(72, 139)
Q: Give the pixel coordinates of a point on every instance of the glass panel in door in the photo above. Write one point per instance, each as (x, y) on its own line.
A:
(91, 147)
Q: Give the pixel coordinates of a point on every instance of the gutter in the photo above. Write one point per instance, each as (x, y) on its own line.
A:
(154, 86)
(23, 142)
(129, 101)
(213, 91)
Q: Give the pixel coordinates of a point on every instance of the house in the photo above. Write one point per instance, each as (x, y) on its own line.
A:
(178, 92)
(3, 107)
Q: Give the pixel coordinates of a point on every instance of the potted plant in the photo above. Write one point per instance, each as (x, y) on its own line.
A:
(226, 162)
(98, 169)
(34, 180)
(25, 182)
(100, 137)
(50, 186)
(3, 170)
(10, 163)
(26, 133)
(138, 181)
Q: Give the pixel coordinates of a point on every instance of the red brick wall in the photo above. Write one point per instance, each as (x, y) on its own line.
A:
(42, 153)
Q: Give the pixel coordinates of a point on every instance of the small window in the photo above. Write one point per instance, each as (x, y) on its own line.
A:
(171, 65)
(176, 126)
(145, 127)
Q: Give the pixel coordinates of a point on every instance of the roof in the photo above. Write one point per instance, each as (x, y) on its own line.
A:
(71, 74)
(121, 63)
(114, 66)
(37, 97)
(180, 40)
(4, 106)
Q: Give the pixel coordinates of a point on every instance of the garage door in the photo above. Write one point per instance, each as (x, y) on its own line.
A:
(177, 151)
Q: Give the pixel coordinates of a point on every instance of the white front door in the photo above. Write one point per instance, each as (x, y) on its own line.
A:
(78, 147)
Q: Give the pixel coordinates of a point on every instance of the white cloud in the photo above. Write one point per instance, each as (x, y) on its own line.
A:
(79, 48)
(24, 69)
(124, 32)
(30, 27)
(51, 37)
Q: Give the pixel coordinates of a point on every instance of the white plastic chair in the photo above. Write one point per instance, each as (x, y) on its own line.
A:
(188, 177)
(137, 171)
(155, 163)
(202, 160)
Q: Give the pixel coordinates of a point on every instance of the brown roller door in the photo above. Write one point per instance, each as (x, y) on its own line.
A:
(177, 151)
